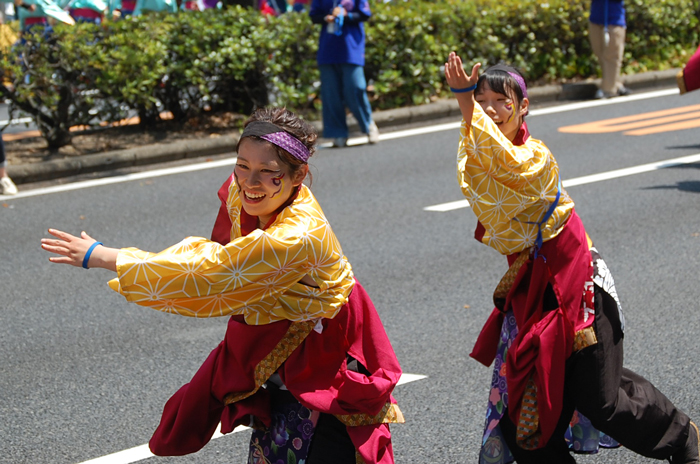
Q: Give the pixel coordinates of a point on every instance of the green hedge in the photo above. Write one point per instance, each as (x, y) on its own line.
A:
(236, 59)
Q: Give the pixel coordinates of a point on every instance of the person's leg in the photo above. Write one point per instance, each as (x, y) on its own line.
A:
(613, 60)
(555, 451)
(7, 187)
(618, 402)
(355, 94)
(596, 36)
(333, 104)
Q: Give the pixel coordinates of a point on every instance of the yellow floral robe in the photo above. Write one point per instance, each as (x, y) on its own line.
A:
(255, 275)
(509, 186)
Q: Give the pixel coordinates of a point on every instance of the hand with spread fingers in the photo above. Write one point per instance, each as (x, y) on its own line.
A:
(455, 75)
(83, 251)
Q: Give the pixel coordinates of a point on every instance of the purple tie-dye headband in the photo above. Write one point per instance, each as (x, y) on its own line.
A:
(521, 82)
(279, 137)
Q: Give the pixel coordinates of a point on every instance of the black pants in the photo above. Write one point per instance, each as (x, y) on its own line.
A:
(618, 402)
(331, 443)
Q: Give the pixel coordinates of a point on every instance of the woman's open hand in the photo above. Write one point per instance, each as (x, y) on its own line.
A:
(455, 75)
(72, 250)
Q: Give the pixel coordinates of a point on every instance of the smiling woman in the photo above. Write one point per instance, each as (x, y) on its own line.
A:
(264, 179)
(305, 360)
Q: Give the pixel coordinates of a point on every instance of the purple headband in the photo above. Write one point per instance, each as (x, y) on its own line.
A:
(279, 137)
(521, 82)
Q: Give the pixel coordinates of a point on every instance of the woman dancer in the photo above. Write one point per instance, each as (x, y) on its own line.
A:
(305, 360)
(557, 330)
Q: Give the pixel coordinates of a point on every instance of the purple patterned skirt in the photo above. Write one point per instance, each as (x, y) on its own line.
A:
(289, 436)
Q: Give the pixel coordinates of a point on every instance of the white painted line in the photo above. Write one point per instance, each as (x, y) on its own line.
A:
(444, 207)
(604, 102)
(633, 170)
(139, 453)
(120, 179)
(399, 134)
(128, 456)
(448, 206)
(11, 122)
(352, 142)
(408, 378)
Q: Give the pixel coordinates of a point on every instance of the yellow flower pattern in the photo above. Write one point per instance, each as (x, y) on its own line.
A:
(256, 275)
(509, 186)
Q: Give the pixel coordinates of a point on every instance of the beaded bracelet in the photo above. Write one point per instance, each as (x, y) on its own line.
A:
(88, 253)
(465, 90)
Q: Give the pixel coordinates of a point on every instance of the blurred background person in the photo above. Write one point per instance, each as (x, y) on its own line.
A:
(7, 187)
(146, 6)
(606, 31)
(689, 77)
(43, 13)
(341, 61)
(88, 11)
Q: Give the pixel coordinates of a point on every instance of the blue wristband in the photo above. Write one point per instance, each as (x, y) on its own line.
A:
(468, 89)
(89, 252)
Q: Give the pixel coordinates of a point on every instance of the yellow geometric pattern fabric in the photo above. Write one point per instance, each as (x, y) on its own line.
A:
(390, 414)
(508, 185)
(256, 275)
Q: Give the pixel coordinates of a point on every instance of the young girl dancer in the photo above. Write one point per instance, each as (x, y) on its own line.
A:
(557, 330)
(305, 359)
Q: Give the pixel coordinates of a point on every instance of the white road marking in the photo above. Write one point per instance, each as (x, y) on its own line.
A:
(408, 378)
(139, 453)
(352, 141)
(11, 122)
(120, 179)
(452, 205)
(604, 102)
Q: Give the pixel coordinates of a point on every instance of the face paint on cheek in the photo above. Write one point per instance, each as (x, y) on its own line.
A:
(509, 107)
(278, 181)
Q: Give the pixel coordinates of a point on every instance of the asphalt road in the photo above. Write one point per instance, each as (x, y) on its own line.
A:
(84, 374)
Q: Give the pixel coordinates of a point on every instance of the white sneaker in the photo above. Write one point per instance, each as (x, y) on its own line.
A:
(340, 142)
(7, 187)
(373, 134)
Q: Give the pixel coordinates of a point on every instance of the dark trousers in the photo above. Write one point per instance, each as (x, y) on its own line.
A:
(331, 443)
(618, 402)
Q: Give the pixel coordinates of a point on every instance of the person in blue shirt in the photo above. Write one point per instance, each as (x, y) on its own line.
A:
(145, 6)
(341, 60)
(606, 31)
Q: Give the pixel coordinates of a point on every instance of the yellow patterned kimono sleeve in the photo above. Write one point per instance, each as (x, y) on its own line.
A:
(509, 186)
(256, 275)
(200, 278)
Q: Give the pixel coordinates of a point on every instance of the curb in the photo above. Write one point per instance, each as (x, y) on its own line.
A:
(194, 148)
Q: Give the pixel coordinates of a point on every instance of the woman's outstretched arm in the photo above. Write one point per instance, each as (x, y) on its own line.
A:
(72, 250)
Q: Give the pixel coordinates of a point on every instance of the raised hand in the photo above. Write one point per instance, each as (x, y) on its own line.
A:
(455, 75)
